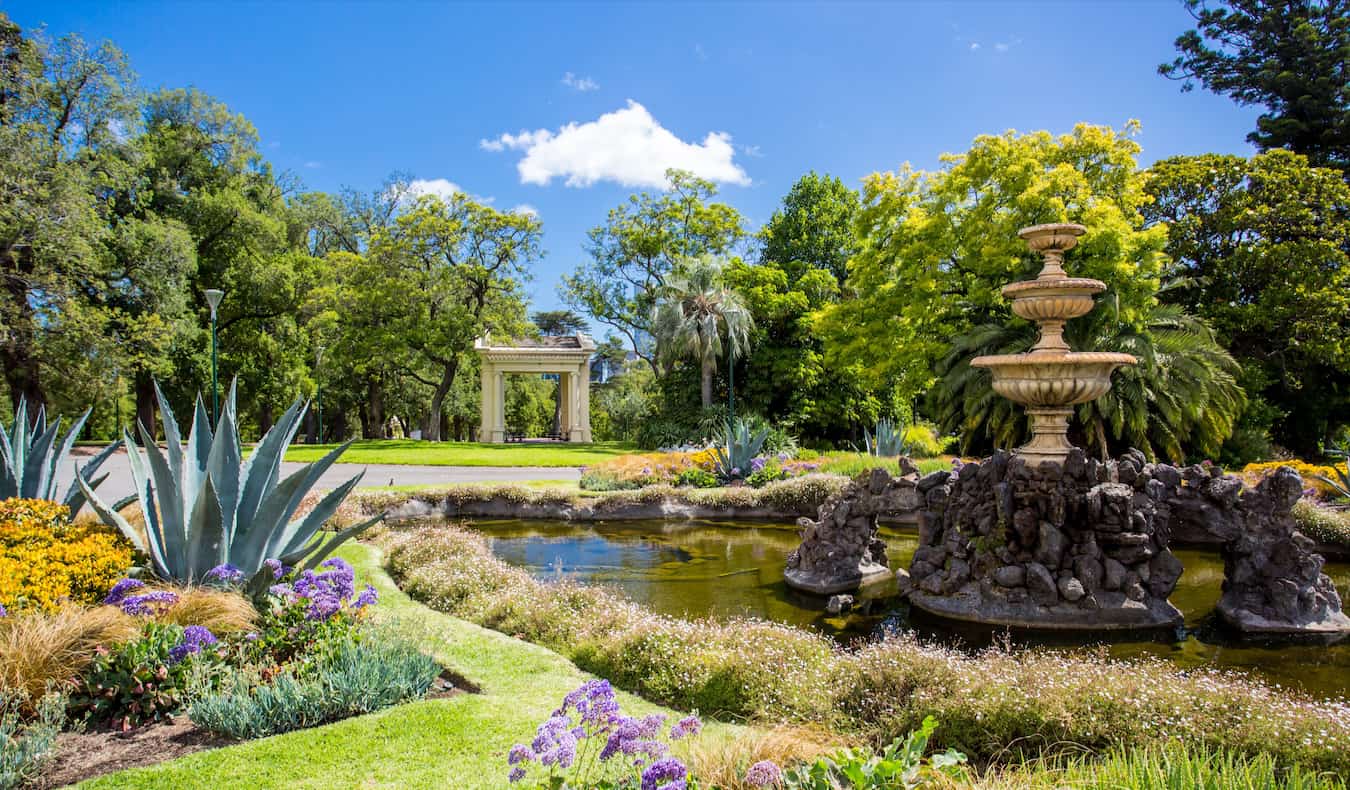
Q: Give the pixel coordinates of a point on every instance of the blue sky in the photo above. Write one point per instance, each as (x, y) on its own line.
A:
(752, 94)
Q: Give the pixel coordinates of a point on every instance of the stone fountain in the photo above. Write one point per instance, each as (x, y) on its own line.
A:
(1047, 538)
(1052, 378)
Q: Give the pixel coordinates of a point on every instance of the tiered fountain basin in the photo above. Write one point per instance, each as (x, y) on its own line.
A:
(1053, 379)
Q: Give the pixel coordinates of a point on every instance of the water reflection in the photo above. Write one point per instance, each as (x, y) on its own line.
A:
(700, 568)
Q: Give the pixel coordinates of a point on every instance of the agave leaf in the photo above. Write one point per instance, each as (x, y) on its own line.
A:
(199, 449)
(18, 439)
(173, 441)
(111, 516)
(9, 479)
(160, 553)
(171, 526)
(223, 466)
(276, 509)
(89, 469)
(62, 451)
(297, 533)
(324, 548)
(259, 583)
(74, 500)
(208, 547)
(37, 471)
(262, 470)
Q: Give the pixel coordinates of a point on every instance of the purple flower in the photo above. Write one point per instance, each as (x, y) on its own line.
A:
(517, 774)
(195, 637)
(120, 590)
(322, 606)
(148, 603)
(665, 774)
(226, 573)
(764, 774)
(650, 726)
(735, 471)
(278, 570)
(251, 636)
(594, 703)
(520, 753)
(757, 464)
(783, 457)
(3, 611)
(368, 597)
(689, 725)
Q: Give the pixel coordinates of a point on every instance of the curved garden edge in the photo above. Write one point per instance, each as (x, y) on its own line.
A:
(459, 741)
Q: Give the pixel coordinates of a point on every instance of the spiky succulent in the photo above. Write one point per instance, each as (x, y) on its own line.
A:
(740, 445)
(1342, 482)
(30, 456)
(889, 440)
(206, 506)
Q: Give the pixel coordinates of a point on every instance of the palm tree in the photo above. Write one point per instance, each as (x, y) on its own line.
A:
(1183, 395)
(694, 312)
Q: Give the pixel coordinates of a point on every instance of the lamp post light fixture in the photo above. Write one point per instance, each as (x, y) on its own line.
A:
(318, 383)
(213, 297)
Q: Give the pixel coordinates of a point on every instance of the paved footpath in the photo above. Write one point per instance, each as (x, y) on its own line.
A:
(120, 484)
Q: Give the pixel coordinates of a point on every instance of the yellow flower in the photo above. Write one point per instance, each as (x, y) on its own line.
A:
(45, 559)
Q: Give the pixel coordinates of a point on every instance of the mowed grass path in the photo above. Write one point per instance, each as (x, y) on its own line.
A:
(459, 742)
(411, 452)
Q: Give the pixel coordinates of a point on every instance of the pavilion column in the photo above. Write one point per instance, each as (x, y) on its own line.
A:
(581, 426)
(487, 377)
(499, 407)
(565, 397)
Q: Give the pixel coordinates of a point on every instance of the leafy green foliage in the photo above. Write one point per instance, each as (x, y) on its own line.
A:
(899, 765)
(206, 507)
(357, 676)
(1289, 57)
(697, 317)
(813, 231)
(137, 682)
(26, 742)
(31, 454)
(639, 247)
(1261, 250)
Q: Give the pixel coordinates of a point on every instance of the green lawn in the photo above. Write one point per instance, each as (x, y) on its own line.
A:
(460, 742)
(408, 451)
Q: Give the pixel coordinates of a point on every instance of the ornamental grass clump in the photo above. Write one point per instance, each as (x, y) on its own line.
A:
(588, 742)
(38, 651)
(995, 705)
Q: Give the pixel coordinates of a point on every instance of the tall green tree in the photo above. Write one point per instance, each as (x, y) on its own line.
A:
(1291, 57)
(698, 317)
(813, 229)
(1260, 249)
(640, 245)
(938, 247)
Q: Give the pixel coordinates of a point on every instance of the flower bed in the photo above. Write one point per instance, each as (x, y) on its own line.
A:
(993, 706)
(1253, 474)
(45, 560)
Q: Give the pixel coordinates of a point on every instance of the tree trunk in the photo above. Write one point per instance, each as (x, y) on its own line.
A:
(372, 422)
(145, 403)
(707, 383)
(433, 432)
(312, 427)
(557, 408)
(265, 420)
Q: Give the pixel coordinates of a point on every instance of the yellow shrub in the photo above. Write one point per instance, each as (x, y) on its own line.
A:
(1253, 473)
(44, 559)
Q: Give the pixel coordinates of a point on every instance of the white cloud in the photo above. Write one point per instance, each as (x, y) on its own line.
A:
(582, 84)
(626, 146)
(439, 187)
(974, 45)
(526, 209)
(312, 165)
(1004, 46)
(751, 150)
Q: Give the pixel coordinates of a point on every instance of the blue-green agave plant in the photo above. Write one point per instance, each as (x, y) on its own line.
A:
(31, 454)
(888, 441)
(740, 444)
(206, 506)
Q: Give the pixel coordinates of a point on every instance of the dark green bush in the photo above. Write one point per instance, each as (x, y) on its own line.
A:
(696, 478)
(355, 677)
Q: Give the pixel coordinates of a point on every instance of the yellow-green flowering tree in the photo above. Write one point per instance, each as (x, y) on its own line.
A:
(938, 246)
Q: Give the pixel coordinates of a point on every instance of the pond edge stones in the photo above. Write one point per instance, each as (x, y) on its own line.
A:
(841, 549)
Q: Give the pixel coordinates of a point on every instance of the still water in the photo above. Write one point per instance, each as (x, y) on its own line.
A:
(700, 568)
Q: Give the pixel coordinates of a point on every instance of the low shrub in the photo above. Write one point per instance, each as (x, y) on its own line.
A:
(45, 560)
(995, 705)
(1169, 766)
(354, 677)
(1323, 524)
(1254, 473)
(27, 734)
(38, 650)
(146, 679)
(900, 765)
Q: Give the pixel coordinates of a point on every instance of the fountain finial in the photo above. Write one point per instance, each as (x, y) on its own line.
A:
(1051, 378)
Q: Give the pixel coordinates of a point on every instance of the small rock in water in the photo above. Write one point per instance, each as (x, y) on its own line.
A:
(839, 603)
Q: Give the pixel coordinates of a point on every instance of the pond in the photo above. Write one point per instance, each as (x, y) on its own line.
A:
(699, 568)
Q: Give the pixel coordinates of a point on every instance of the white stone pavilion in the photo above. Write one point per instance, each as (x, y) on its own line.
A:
(569, 356)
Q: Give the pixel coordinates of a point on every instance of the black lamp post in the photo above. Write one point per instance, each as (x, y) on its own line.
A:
(213, 297)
